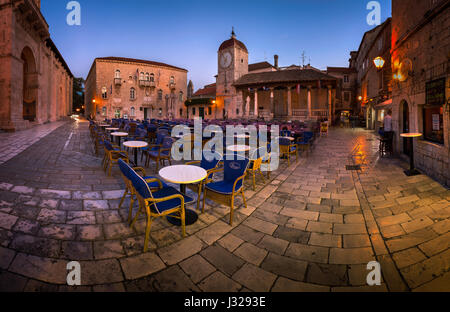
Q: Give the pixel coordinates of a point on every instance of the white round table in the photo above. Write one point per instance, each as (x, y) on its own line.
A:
(135, 145)
(412, 170)
(289, 138)
(183, 175)
(119, 135)
(238, 148)
(110, 130)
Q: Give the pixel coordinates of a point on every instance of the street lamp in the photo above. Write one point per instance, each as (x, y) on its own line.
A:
(379, 62)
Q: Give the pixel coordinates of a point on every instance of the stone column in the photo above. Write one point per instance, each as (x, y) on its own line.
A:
(247, 106)
(330, 108)
(272, 103)
(309, 102)
(256, 103)
(289, 101)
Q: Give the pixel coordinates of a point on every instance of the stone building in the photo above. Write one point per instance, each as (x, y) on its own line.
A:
(202, 103)
(374, 85)
(421, 86)
(35, 81)
(346, 92)
(268, 91)
(119, 87)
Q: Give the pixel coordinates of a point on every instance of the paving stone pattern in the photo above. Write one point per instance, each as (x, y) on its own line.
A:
(313, 227)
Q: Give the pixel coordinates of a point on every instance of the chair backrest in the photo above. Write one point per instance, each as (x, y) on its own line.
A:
(285, 142)
(140, 186)
(210, 164)
(286, 133)
(160, 135)
(167, 142)
(108, 145)
(235, 167)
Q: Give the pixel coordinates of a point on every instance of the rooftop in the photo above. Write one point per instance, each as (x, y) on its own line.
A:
(283, 76)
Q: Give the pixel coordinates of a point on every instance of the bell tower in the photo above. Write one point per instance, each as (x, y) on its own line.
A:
(232, 64)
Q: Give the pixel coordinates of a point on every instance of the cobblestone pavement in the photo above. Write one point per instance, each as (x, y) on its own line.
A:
(313, 227)
(13, 144)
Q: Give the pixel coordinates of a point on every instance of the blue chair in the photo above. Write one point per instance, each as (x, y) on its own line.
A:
(209, 166)
(286, 133)
(167, 201)
(162, 154)
(287, 148)
(153, 182)
(306, 141)
(160, 136)
(234, 171)
(113, 155)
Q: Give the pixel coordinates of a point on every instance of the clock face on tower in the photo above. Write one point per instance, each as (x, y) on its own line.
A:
(225, 60)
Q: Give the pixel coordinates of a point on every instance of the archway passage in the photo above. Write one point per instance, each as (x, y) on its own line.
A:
(29, 85)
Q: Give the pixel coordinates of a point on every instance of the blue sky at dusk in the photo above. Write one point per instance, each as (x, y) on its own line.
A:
(188, 33)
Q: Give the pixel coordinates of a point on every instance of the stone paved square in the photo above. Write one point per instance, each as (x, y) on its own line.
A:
(343, 196)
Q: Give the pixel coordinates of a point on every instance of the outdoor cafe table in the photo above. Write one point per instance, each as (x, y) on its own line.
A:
(412, 170)
(135, 145)
(238, 148)
(110, 130)
(119, 135)
(183, 175)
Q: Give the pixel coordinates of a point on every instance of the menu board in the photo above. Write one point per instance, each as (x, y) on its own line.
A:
(435, 92)
(436, 122)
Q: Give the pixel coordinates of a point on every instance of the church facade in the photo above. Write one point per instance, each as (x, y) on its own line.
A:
(265, 91)
(36, 84)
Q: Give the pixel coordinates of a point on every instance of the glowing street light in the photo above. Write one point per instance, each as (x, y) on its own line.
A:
(379, 62)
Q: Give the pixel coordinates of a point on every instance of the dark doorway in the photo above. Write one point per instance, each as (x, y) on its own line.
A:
(201, 112)
(406, 129)
(145, 113)
(29, 85)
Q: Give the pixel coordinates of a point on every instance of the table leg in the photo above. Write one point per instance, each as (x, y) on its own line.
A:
(412, 170)
(135, 156)
(190, 215)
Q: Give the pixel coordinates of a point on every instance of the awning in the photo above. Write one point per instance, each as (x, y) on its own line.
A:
(385, 103)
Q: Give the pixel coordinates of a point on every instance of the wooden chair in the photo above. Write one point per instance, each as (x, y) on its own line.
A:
(209, 166)
(162, 154)
(161, 203)
(113, 155)
(256, 161)
(287, 148)
(225, 191)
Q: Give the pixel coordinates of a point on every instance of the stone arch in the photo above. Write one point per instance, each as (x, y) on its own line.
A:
(30, 84)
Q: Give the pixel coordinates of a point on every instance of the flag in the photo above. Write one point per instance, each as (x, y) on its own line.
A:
(298, 89)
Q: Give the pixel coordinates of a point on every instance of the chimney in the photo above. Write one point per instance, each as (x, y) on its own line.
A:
(275, 61)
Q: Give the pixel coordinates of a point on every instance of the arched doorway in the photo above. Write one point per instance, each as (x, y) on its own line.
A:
(405, 126)
(30, 85)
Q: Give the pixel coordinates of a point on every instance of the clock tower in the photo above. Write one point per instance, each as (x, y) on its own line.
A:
(232, 64)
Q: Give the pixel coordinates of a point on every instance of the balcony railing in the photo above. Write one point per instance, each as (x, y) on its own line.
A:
(117, 81)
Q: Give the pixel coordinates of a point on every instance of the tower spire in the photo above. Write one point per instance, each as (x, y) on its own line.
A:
(233, 34)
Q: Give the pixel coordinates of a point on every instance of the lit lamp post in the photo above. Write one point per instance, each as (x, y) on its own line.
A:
(379, 62)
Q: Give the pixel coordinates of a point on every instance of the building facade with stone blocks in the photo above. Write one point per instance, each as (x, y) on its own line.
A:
(36, 84)
(265, 91)
(421, 86)
(347, 90)
(137, 89)
(374, 85)
(203, 103)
